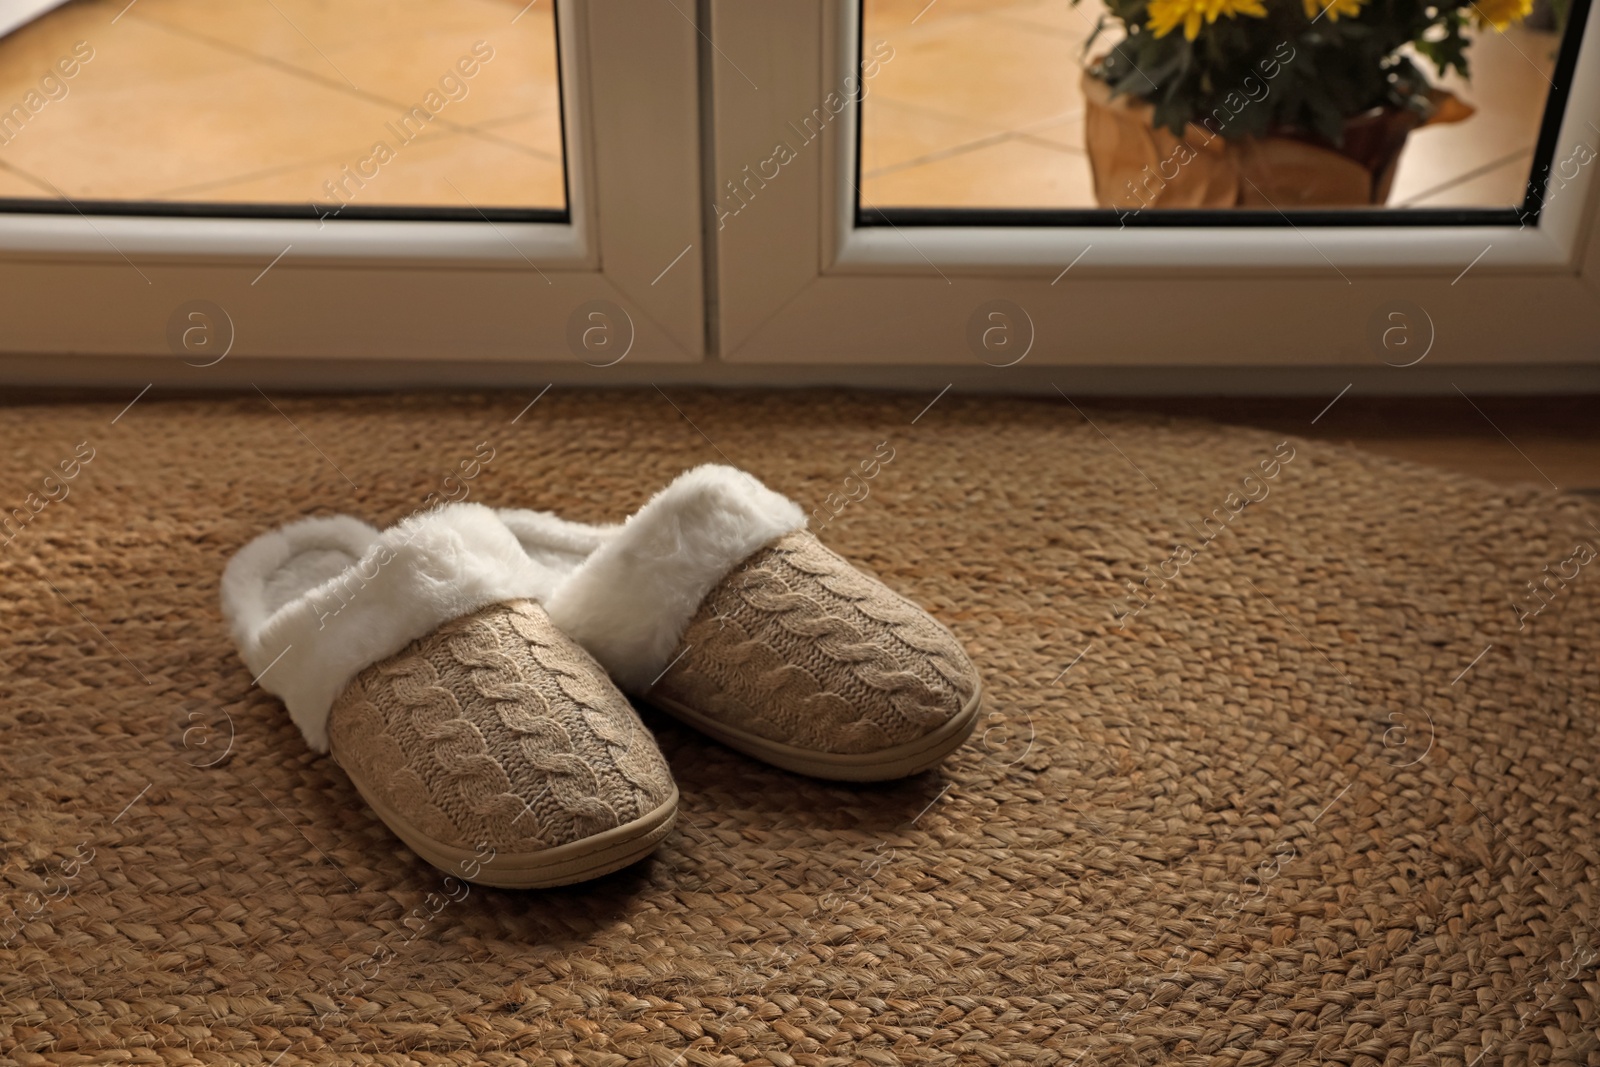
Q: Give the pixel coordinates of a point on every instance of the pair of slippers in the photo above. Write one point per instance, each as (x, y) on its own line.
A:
(464, 665)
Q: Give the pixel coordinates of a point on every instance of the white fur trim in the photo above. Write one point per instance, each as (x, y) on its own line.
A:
(314, 603)
(629, 591)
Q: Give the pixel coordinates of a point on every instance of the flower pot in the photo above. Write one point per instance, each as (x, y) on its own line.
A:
(1137, 165)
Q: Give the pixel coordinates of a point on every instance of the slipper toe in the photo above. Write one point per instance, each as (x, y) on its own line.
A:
(496, 747)
(803, 660)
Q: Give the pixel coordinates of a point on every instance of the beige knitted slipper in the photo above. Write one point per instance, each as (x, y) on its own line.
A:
(713, 603)
(490, 742)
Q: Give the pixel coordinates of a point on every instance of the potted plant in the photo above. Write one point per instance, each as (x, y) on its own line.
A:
(1269, 103)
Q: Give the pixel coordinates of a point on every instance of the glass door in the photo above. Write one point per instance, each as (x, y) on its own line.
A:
(352, 179)
(1044, 107)
(285, 109)
(1158, 182)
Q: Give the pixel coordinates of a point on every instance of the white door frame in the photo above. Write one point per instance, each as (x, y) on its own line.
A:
(425, 291)
(799, 283)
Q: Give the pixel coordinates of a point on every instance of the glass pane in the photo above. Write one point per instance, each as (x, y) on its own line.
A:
(1278, 104)
(338, 108)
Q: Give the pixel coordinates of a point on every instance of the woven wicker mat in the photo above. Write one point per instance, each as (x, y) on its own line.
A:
(1329, 796)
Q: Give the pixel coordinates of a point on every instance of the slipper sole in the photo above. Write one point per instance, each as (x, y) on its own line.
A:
(576, 861)
(897, 762)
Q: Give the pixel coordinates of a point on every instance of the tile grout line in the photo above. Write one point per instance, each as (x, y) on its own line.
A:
(343, 157)
(1477, 172)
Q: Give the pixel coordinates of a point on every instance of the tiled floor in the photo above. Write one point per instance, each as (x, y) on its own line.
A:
(271, 101)
(980, 106)
(268, 100)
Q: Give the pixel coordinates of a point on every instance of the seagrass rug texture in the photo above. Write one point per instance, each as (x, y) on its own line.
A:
(1322, 790)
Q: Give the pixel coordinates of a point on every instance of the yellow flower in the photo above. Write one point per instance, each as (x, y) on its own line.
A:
(1315, 9)
(1166, 15)
(1501, 13)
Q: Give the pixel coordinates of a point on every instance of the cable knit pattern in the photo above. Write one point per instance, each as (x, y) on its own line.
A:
(497, 729)
(799, 647)
(584, 683)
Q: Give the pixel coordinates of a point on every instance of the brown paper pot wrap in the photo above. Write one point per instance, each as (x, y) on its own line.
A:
(1138, 165)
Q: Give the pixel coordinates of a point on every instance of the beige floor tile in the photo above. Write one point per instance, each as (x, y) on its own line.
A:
(984, 71)
(1500, 185)
(1013, 173)
(153, 111)
(1509, 89)
(888, 19)
(538, 130)
(22, 185)
(894, 134)
(487, 175)
(407, 49)
(329, 164)
(1065, 132)
(448, 170)
(179, 103)
(520, 77)
(33, 48)
(303, 32)
(1074, 21)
